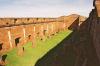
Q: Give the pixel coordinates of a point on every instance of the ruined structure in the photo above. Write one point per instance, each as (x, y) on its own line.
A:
(81, 47)
(15, 32)
(82, 44)
(95, 26)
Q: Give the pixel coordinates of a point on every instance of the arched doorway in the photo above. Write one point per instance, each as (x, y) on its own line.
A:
(1, 46)
(17, 41)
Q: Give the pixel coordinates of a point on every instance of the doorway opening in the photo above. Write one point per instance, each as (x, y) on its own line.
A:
(1, 46)
(29, 37)
(44, 32)
(17, 40)
(3, 60)
(4, 57)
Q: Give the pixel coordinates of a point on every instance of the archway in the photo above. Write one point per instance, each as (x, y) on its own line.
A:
(17, 41)
(1, 46)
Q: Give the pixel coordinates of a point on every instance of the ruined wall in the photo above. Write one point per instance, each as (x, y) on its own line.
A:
(83, 42)
(94, 26)
(15, 32)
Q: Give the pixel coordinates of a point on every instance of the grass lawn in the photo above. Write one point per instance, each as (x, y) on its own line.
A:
(31, 55)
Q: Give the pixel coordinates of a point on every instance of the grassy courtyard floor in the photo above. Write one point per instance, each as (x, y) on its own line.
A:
(31, 55)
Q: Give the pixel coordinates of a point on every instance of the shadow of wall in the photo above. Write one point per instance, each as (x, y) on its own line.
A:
(77, 49)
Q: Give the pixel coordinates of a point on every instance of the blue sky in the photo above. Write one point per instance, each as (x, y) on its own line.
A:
(44, 8)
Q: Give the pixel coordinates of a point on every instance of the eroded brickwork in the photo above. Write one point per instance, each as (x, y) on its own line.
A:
(15, 32)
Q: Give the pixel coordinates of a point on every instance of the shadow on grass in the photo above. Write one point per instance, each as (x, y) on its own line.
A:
(77, 49)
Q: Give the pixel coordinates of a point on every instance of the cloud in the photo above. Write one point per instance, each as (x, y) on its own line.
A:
(45, 8)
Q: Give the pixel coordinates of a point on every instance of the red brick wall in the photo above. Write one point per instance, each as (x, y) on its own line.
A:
(15, 32)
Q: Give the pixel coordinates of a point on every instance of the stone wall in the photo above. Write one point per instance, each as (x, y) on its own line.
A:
(94, 23)
(15, 32)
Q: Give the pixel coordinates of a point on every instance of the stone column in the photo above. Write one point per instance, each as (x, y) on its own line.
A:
(34, 37)
(20, 51)
(42, 33)
(52, 28)
(64, 26)
(47, 29)
(24, 34)
(10, 39)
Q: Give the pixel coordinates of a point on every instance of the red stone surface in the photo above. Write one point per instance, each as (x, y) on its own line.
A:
(15, 32)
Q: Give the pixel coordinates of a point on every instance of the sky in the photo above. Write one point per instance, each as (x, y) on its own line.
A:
(44, 8)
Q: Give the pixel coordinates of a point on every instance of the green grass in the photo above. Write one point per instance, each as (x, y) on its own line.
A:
(32, 55)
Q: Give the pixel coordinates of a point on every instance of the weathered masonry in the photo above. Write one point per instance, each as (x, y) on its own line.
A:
(15, 32)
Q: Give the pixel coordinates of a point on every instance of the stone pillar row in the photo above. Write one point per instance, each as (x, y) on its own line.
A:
(17, 36)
